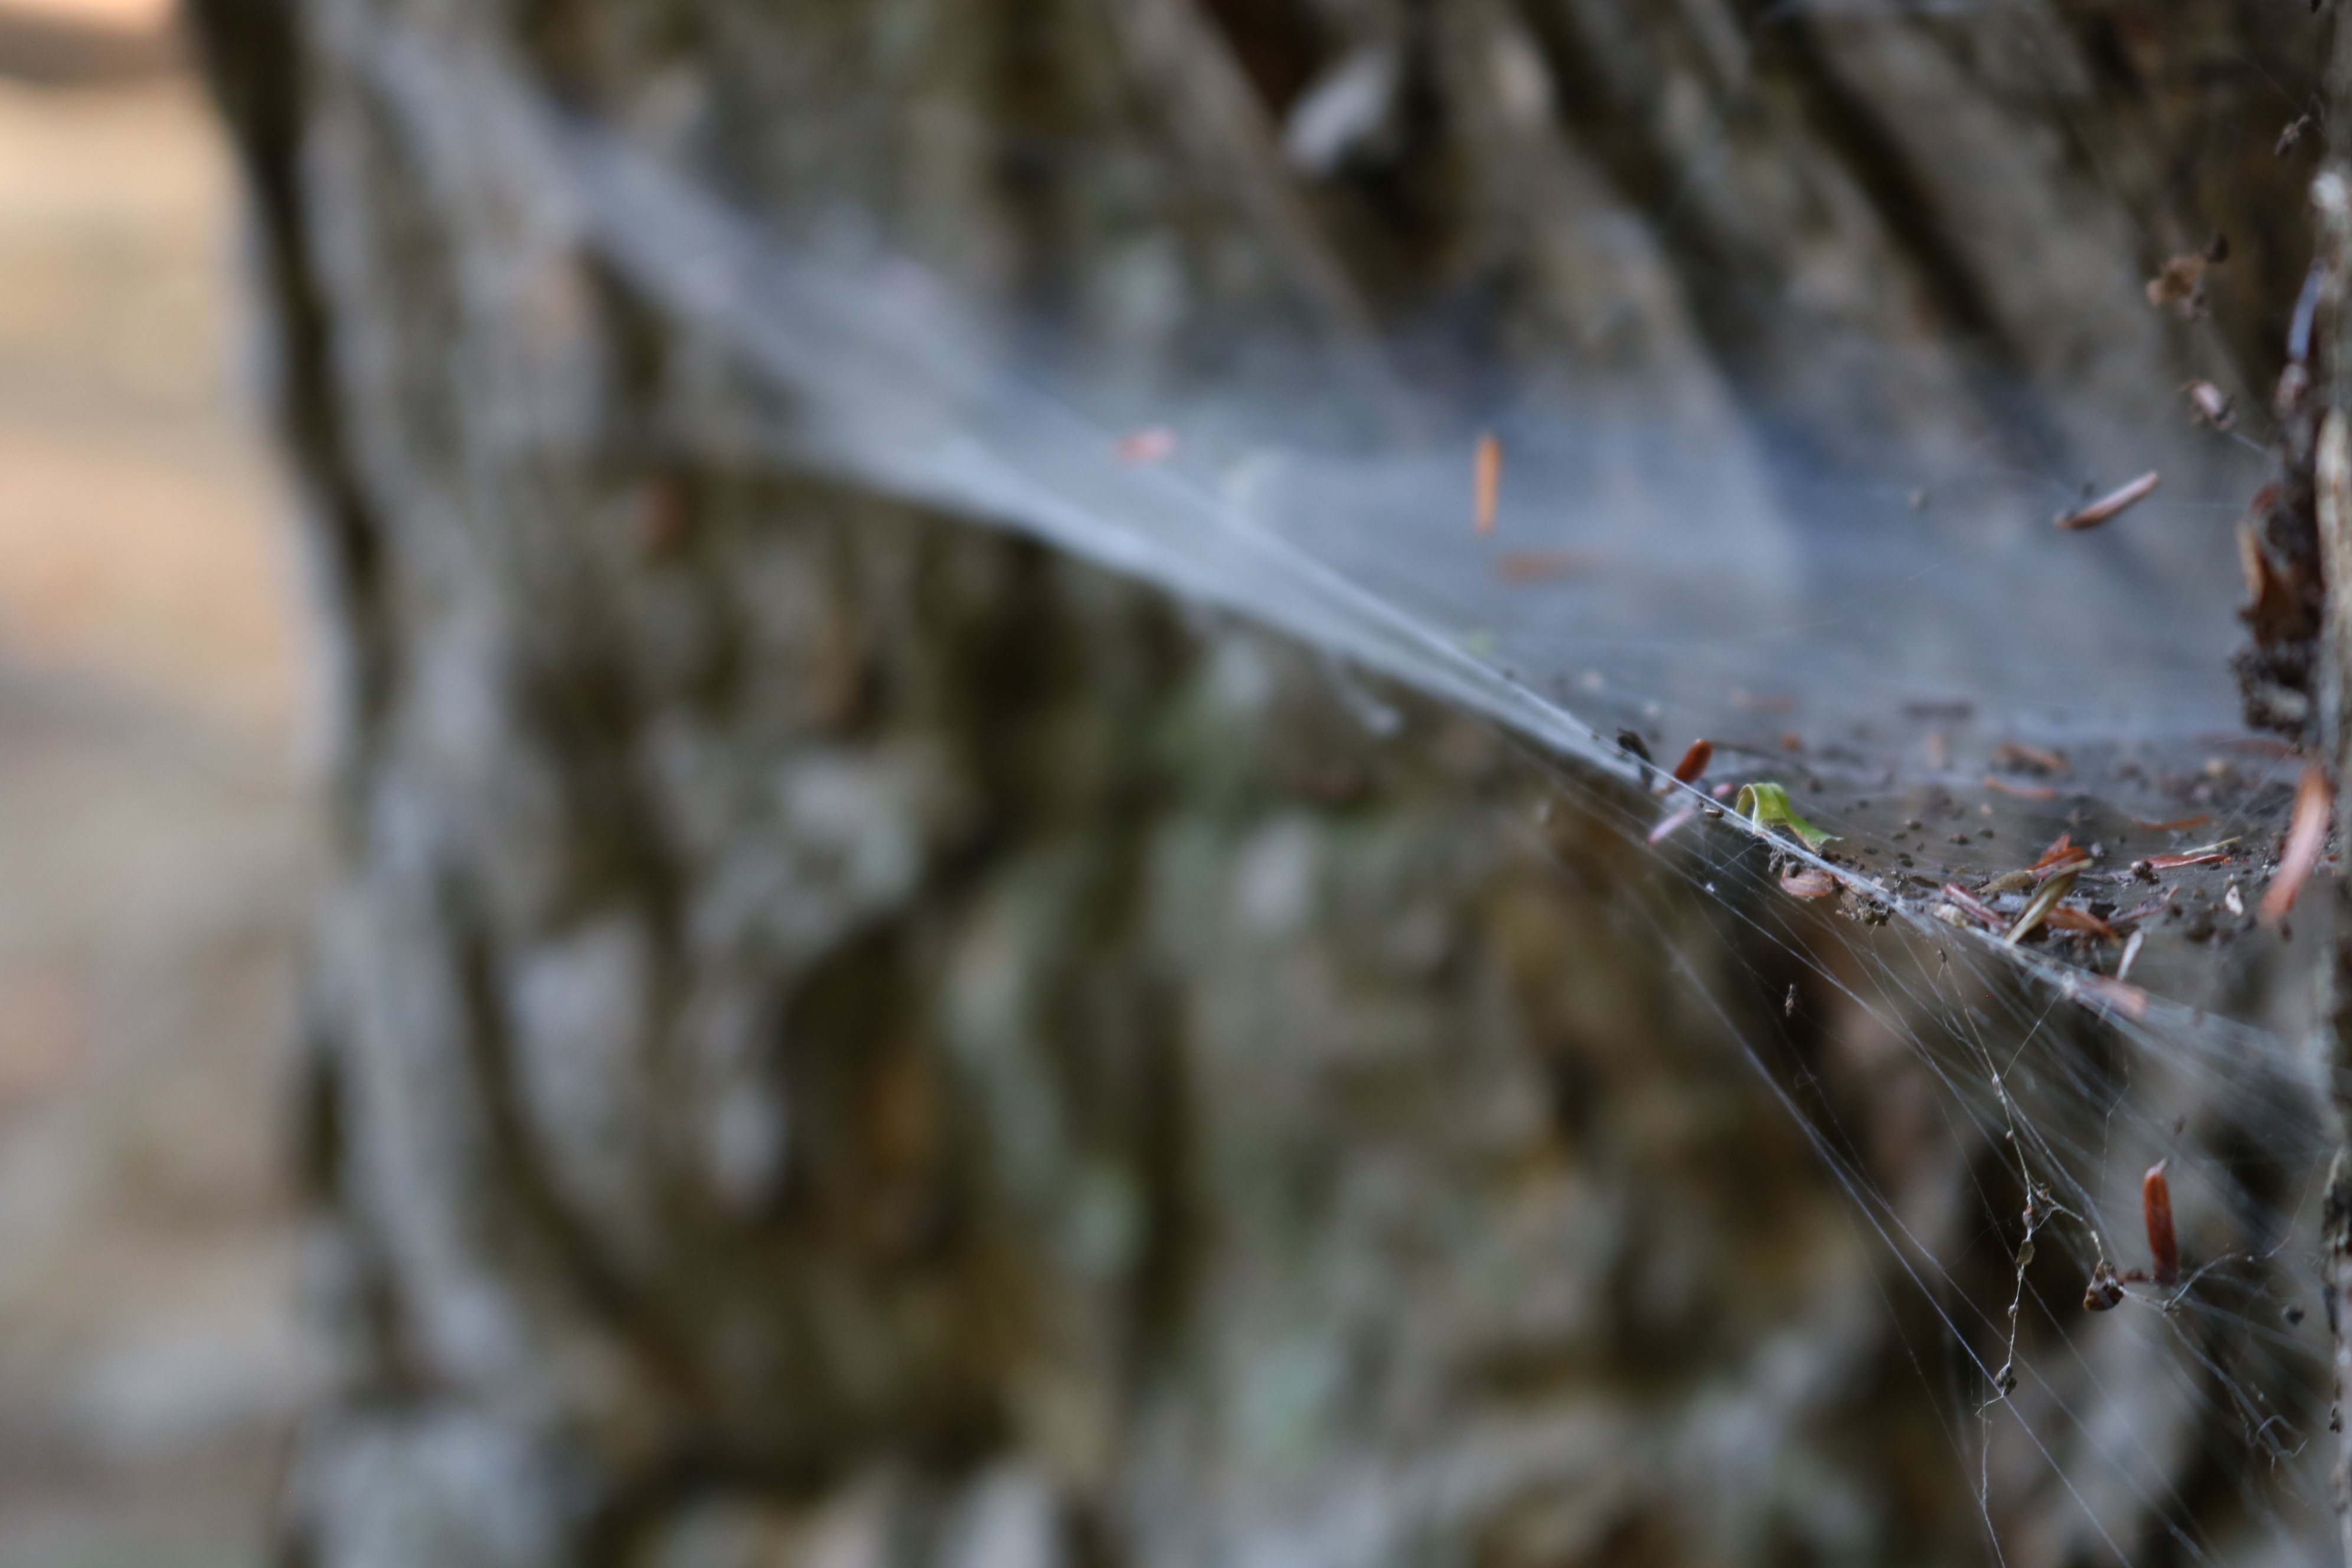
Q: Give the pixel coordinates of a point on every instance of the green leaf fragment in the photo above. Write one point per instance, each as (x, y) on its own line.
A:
(1767, 805)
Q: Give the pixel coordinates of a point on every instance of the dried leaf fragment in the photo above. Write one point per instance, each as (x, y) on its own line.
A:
(2064, 919)
(2063, 854)
(1694, 762)
(1810, 883)
(2108, 505)
(2074, 861)
(2180, 285)
(2038, 908)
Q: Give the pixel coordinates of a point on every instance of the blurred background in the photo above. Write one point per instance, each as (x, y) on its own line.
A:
(1550, 1265)
(153, 841)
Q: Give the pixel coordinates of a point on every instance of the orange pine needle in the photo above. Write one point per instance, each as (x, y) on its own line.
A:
(2064, 919)
(2060, 848)
(1488, 481)
(2313, 804)
(2178, 825)
(1544, 565)
(2176, 862)
(2108, 506)
(2015, 753)
(2155, 1209)
(1671, 824)
(1153, 444)
(1975, 908)
(2113, 995)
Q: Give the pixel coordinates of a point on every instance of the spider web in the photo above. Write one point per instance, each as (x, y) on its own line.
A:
(1937, 677)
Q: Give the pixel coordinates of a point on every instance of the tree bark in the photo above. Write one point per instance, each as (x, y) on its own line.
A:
(841, 1035)
(2329, 464)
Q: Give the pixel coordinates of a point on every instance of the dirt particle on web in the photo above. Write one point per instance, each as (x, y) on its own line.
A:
(2018, 757)
(2180, 284)
(2210, 405)
(1545, 565)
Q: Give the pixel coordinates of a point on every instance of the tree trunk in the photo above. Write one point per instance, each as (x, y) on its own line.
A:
(843, 1036)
